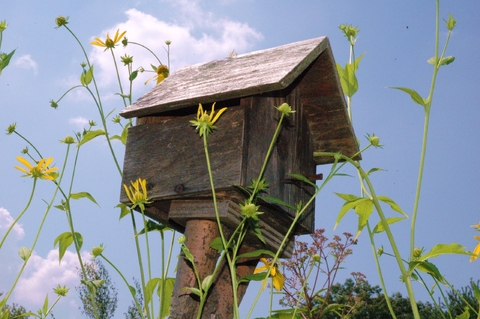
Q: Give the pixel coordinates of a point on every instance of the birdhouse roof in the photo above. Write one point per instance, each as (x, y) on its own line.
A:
(308, 64)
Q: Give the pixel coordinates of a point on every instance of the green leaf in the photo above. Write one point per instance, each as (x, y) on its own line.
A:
(476, 290)
(304, 179)
(195, 291)
(124, 210)
(188, 254)
(256, 253)
(217, 244)
(6, 60)
(83, 195)
(446, 60)
(347, 197)
(88, 76)
(392, 220)
(207, 282)
(431, 269)
(152, 226)
(133, 76)
(150, 288)
(413, 94)
(64, 241)
(277, 201)
(165, 296)
(346, 207)
(364, 210)
(375, 169)
(254, 277)
(122, 138)
(24, 253)
(444, 249)
(45, 306)
(90, 135)
(392, 204)
(464, 315)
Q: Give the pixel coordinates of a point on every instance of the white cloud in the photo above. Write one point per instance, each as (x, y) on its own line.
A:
(79, 122)
(26, 62)
(5, 221)
(42, 275)
(198, 37)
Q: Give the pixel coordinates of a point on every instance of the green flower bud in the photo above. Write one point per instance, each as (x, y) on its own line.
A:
(97, 251)
(68, 140)
(3, 25)
(61, 21)
(61, 291)
(127, 59)
(285, 109)
(92, 123)
(380, 251)
(53, 104)
(316, 258)
(250, 210)
(168, 42)
(25, 150)
(181, 240)
(11, 128)
(125, 41)
(417, 252)
(83, 65)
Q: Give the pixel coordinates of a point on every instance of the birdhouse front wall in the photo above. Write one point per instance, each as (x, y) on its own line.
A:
(166, 150)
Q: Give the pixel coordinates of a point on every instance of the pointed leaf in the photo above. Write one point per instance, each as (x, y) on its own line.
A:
(392, 220)
(6, 60)
(124, 210)
(444, 249)
(188, 254)
(194, 291)
(90, 136)
(150, 288)
(304, 179)
(364, 209)
(392, 204)
(165, 296)
(88, 76)
(83, 195)
(464, 315)
(345, 208)
(277, 201)
(45, 306)
(347, 197)
(430, 269)
(256, 253)
(133, 76)
(207, 282)
(153, 226)
(446, 60)
(217, 244)
(413, 94)
(64, 241)
(254, 277)
(375, 169)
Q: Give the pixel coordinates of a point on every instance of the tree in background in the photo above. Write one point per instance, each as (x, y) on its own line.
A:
(132, 312)
(106, 292)
(14, 311)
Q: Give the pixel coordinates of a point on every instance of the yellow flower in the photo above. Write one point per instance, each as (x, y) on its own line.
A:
(137, 193)
(476, 251)
(41, 170)
(162, 73)
(204, 122)
(275, 274)
(109, 43)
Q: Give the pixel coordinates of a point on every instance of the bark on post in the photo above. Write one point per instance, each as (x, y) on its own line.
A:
(219, 305)
(199, 234)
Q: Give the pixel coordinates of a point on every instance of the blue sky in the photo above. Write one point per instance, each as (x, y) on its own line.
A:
(397, 37)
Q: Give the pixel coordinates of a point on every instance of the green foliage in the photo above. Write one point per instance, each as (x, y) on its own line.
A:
(105, 291)
(12, 311)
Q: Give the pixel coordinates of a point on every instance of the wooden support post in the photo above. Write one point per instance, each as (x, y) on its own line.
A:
(219, 305)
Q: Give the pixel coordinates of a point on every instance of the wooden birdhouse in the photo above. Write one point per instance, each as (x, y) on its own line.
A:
(165, 149)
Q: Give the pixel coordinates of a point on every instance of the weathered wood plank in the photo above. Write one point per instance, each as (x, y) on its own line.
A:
(247, 74)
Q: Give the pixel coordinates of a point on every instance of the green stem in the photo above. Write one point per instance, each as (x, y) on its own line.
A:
(141, 45)
(149, 264)
(139, 257)
(132, 292)
(21, 214)
(379, 270)
(118, 77)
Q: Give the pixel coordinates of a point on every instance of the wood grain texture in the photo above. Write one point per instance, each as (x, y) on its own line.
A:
(247, 74)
